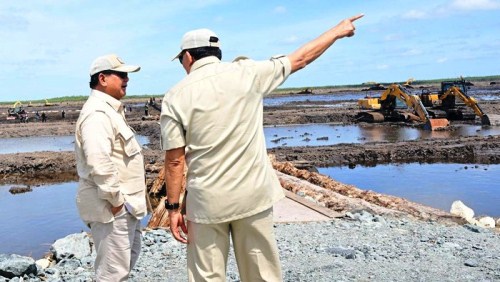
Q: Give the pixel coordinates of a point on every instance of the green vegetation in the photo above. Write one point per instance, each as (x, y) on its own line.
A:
(59, 100)
(278, 91)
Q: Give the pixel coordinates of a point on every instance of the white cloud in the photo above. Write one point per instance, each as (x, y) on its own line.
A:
(475, 4)
(441, 60)
(412, 52)
(382, 67)
(414, 15)
(280, 10)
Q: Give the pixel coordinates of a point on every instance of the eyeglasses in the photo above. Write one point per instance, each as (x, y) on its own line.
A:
(181, 56)
(120, 74)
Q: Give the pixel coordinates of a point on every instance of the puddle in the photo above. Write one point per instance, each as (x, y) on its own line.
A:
(330, 134)
(45, 143)
(31, 222)
(435, 185)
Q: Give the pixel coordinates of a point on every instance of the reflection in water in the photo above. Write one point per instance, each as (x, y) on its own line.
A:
(435, 185)
(330, 134)
(31, 222)
(45, 143)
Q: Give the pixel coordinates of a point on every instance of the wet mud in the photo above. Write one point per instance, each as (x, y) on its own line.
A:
(53, 167)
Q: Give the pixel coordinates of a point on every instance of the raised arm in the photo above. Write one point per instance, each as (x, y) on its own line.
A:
(313, 49)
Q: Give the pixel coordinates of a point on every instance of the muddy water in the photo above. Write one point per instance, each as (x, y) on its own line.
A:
(435, 185)
(32, 221)
(45, 143)
(330, 134)
(296, 135)
(479, 94)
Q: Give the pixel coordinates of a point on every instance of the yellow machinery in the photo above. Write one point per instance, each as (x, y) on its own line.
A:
(384, 108)
(444, 103)
(47, 103)
(369, 103)
(408, 83)
(17, 112)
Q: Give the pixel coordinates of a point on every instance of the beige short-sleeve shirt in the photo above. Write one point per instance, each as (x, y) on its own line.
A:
(216, 112)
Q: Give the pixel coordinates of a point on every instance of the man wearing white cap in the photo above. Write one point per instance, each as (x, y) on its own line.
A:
(213, 121)
(111, 196)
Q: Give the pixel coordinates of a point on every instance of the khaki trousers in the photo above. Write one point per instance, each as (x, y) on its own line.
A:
(117, 245)
(254, 245)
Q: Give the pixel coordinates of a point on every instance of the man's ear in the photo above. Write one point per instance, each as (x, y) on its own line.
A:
(189, 58)
(102, 80)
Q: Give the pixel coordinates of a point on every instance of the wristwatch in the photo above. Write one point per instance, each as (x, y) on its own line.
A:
(173, 206)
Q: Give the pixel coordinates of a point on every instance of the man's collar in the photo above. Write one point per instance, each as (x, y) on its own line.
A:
(116, 104)
(204, 61)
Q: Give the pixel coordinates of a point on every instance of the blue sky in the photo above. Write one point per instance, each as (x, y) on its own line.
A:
(47, 45)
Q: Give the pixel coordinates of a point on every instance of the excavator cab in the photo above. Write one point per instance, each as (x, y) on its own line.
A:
(450, 101)
(454, 103)
(455, 100)
(395, 97)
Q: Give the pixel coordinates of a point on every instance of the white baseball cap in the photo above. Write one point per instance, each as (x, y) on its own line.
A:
(198, 38)
(111, 62)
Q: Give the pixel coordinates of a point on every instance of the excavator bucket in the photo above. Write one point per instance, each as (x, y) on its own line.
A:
(491, 119)
(436, 123)
(485, 120)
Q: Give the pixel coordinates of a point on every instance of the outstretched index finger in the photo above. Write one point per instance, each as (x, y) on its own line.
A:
(356, 17)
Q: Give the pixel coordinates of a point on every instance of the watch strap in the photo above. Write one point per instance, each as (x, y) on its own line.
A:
(173, 206)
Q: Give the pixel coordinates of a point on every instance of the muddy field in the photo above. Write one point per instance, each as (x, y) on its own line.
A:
(51, 167)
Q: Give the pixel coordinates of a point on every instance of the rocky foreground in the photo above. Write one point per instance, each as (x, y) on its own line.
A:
(357, 247)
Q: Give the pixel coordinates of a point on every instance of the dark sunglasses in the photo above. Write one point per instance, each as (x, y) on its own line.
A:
(120, 74)
(181, 56)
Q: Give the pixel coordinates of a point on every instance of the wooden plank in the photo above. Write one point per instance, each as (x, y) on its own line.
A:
(311, 205)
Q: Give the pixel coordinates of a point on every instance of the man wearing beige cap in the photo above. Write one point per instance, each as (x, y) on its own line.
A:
(213, 120)
(111, 196)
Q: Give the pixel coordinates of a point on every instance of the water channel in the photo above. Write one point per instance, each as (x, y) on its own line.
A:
(45, 143)
(331, 134)
(33, 221)
(435, 185)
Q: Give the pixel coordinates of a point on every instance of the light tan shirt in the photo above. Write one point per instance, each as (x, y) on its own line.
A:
(216, 112)
(109, 161)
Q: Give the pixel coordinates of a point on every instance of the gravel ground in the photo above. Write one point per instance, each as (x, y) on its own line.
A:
(359, 247)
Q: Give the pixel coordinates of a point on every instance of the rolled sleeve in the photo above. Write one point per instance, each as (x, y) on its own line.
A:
(97, 147)
(273, 73)
(172, 132)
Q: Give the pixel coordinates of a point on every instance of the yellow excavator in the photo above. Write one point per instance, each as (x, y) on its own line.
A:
(17, 112)
(385, 109)
(444, 103)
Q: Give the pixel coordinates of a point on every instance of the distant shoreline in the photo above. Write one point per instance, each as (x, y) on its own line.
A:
(480, 81)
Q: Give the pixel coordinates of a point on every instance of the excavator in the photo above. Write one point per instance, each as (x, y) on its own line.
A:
(444, 103)
(17, 112)
(384, 109)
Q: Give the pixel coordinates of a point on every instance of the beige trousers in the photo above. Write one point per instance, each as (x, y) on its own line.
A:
(254, 245)
(117, 245)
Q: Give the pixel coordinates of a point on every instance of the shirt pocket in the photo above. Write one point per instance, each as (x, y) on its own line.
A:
(130, 145)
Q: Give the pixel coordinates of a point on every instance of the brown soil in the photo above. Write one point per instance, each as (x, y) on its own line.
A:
(49, 167)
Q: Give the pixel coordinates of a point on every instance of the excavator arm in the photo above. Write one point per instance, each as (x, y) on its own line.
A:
(387, 101)
(468, 101)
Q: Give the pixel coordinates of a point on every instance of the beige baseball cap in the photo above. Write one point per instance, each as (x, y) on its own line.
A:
(198, 38)
(111, 62)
